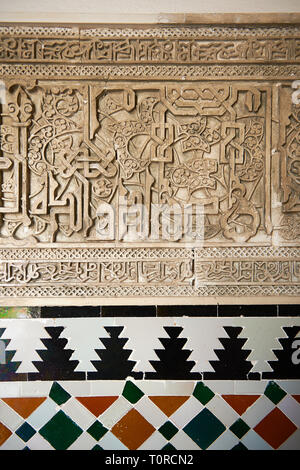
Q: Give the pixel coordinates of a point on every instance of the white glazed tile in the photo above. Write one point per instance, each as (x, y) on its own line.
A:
(115, 412)
(104, 388)
(256, 413)
(291, 408)
(35, 388)
(222, 411)
(254, 442)
(13, 443)
(226, 441)
(220, 387)
(250, 387)
(110, 442)
(83, 442)
(155, 442)
(166, 387)
(290, 386)
(181, 441)
(150, 412)
(76, 388)
(78, 413)
(43, 414)
(10, 389)
(9, 417)
(186, 412)
(37, 442)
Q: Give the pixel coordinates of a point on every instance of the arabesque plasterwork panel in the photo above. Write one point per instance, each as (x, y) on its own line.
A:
(150, 162)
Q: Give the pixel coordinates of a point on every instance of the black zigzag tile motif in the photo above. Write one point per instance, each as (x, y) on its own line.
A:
(56, 363)
(173, 359)
(173, 363)
(287, 365)
(114, 363)
(232, 363)
(9, 367)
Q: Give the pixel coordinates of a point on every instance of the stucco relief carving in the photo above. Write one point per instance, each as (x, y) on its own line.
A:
(219, 154)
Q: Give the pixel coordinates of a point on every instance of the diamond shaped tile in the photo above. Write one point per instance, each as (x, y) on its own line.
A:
(97, 430)
(204, 429)
(275, 428)
(239, 428)
(168, 430)
(5, 433)
(133, 429)
(25, 432)
(78, 413)
(131, 392)
(221, 410)
(59, 394)
(274, 392)
(60, 431)
(203, 393)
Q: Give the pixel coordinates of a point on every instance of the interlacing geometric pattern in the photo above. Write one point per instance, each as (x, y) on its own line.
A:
(194, 121)
(151, 416)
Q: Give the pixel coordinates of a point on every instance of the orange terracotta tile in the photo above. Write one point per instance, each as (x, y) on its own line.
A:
(240, 403)
(275, 428)
(168, 404)
(133, 430)
(24, 406)
(5, 433)
(97, 405)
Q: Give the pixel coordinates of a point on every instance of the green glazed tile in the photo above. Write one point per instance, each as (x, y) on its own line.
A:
(60, 431)
(25, 432)
(203, 393)
(97, 430)
(168, 430)
(274, 392)
(132, 393)
(58, 394)
(204, 429)
(239, 428)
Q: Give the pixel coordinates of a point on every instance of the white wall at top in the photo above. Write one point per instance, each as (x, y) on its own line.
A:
(114, 10)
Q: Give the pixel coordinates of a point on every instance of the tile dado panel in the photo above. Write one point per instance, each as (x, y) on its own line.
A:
(141, 162)
(188, 384)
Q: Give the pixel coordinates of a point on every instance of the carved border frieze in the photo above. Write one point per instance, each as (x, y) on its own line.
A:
(194, 129)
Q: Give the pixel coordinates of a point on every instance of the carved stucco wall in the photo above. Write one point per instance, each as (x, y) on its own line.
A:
(173, 115)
